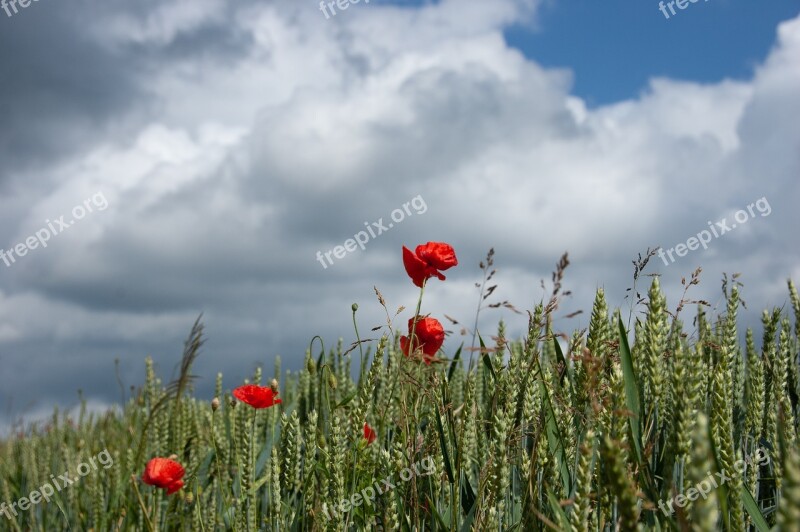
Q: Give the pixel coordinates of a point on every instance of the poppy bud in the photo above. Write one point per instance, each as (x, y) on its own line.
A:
(215, 404)
(332, 380)
(274, 385)
(311, 366)
(354, 306)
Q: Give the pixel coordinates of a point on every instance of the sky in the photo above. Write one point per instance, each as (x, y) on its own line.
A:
(163, 159)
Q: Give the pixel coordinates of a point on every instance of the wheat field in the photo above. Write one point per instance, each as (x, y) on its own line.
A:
(641, 422)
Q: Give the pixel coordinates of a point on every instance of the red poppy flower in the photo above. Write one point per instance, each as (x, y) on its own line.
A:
(429, 338)
(164, 473)
(427, 260)
(256, 396)
(369, 434)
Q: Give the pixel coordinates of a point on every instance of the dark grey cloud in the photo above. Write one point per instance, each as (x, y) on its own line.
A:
(59, 90)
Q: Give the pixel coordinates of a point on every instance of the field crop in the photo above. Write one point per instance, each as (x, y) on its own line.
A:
(645, 425)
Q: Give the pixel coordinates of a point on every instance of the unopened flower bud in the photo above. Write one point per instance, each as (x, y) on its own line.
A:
(332, 380)
(215, 404)
(354, 306)
(311, 366)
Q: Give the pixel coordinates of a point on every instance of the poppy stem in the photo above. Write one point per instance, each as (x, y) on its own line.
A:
(251, 458)
(413, 332)
(142, 506)
(360, 347)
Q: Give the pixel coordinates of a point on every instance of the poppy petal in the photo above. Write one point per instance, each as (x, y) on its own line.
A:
(369, 434)
(404, 345)
(175, 486)
(429, 335)
(415, 267)
(163, 473)
(256, 396)
(437, 254)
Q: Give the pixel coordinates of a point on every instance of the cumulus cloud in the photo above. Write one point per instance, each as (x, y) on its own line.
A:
(279, 134)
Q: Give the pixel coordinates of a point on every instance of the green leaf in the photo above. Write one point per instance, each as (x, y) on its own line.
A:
(432, 506)
(447, 467)
(486, 360)
(453, 364)
(257, 485)
(558, 510)
(567, 367)
(451, 424)
(203, 468)
(633, 402)
(468, 504)
(560, 354)
(467, 501)
(752, 509)
(631, 390)
(554, 439)
(346, 400)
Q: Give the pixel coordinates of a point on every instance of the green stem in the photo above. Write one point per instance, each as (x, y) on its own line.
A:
(360, 348)
(251, 470)
(413, 332)
(150, 526)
